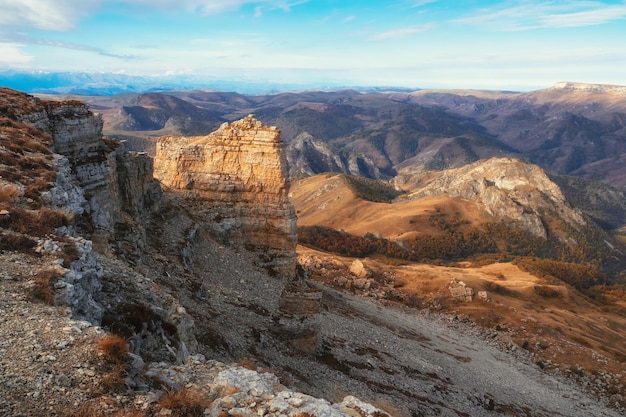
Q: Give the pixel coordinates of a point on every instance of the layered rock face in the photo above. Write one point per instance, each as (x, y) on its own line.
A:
(508, 188)
(238, 177)
(115, 182)
(106, 190)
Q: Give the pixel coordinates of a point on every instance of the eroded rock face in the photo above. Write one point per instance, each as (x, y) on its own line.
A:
(107, 191)
(506, 188)
(237, 175)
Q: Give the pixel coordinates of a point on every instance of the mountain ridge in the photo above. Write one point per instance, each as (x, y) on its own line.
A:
(564, 130)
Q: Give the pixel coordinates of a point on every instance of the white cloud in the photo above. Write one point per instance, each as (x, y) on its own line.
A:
(524, 15)
(10, 54)
(62, 15)
(211, 7)
(420, 3)
(586, 18)
(400, 33)
(57, 15)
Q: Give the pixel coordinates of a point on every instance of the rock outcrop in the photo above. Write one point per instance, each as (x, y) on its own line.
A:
(238, 177)
(107, 192)
(117, 185)
(506, 188)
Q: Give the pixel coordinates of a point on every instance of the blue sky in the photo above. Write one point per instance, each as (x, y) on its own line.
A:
(518, 45)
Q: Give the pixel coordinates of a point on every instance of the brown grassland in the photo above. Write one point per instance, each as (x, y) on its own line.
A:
(564, 327)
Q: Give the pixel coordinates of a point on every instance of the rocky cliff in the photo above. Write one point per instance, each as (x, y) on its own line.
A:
(117, 186)
(238, 177)
(101, 192)
(505, 188)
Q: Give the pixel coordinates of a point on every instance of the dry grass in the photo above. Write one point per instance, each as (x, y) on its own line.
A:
(556, 315)
(398, 221)
(43, 287)
(8, 193)
(114, 380)
(113, 348)
(35, 222)
(69, 254)
(184, 402)
(227, 390)
(546, 291)
(248, 364)
(14, 242)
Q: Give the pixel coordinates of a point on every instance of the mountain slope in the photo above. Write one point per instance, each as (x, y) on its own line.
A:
(156, 111)
(529, 266)
(571, 128)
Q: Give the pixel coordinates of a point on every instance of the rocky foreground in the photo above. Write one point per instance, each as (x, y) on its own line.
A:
(51, 364)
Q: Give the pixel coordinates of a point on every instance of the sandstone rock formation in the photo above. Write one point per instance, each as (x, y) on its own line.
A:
(505, 188)
(238, 177)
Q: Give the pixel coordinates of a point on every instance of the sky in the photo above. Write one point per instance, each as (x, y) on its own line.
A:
(501, 44)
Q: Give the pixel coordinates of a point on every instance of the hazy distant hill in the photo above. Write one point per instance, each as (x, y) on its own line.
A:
(108, 84)
(571, 128)
(156, 111)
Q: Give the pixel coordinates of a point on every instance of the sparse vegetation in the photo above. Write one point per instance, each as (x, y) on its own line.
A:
(581, 276)
(497, 288)
(43, 286)
(377, 191)
(8, 192)
(546, 291)
(69, 253)
(38, 223)
(248, 364)
(346, 244)
(184, 402)
(114, 379)
(113, 348)
(16, 242)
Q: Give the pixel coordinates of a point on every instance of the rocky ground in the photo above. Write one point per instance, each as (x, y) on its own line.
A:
(405, 362)
(51, 364)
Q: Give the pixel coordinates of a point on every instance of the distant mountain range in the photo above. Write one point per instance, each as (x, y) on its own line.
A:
(571, 129)
(108, 84)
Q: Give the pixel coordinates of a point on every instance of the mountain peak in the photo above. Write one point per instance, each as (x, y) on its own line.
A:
(505, 187)
(598, 88)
